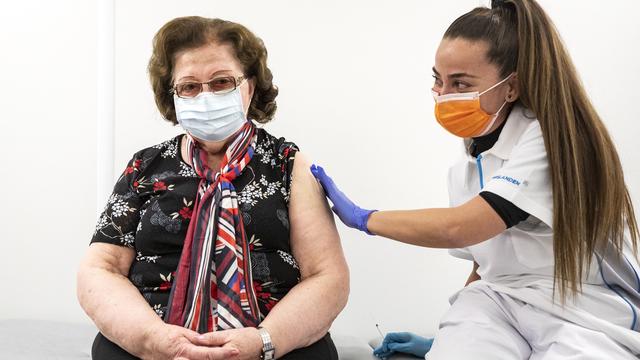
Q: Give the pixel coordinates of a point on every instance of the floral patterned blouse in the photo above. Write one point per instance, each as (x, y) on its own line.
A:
(150, 209)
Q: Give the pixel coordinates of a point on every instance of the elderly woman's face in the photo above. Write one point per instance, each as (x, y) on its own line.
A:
(210, 61)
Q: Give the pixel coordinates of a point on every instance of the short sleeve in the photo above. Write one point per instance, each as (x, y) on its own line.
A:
(524, 178)
(462, 253)
(286, 157)
(508, 212)
(118, 222)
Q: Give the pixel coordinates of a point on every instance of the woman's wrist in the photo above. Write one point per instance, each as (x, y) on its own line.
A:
(257, 342)
(148, 344)
(367, 217)
(267, 348)
(276, 341)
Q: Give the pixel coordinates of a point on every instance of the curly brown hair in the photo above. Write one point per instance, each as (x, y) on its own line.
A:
(191, 32)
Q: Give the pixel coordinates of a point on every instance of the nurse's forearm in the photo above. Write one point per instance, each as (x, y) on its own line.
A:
(456, 227)
(425, 227)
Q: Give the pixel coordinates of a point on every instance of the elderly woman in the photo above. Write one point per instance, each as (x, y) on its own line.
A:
(215, 244)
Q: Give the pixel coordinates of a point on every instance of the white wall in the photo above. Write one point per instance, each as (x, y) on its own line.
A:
(47, 174)
(332, 63)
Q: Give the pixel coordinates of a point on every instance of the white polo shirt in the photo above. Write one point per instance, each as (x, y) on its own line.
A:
(519, 262)
(515, 168)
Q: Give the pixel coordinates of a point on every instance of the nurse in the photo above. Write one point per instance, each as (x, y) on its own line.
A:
(538, 202)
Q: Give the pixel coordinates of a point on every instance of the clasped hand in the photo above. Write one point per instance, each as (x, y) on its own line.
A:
(177, 343)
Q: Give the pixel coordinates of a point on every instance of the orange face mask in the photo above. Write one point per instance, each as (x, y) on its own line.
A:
(461, 114)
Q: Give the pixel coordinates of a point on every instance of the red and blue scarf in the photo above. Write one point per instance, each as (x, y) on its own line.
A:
(213, 287)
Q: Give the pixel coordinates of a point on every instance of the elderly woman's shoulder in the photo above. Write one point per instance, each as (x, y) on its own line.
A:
(284, 148)
(167, 150)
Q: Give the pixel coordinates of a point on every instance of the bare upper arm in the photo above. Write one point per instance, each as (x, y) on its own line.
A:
(474, 222)
(314, 238)
(113, 258)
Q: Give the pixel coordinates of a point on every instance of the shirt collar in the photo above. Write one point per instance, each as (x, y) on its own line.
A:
(516, 124)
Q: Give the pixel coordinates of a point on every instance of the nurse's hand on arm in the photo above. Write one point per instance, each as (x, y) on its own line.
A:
(468, 224)
(349, 213)
(403, 342)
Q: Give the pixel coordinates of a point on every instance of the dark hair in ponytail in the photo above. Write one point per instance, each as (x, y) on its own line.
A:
(495, 26)
(591, 203)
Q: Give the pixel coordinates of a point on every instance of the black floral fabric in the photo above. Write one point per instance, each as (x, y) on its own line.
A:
(151, 205)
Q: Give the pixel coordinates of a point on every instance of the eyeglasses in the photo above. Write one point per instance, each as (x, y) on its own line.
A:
(218, 86)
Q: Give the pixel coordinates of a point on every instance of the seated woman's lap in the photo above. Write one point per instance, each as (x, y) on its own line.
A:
(104, 349)
(324, 349)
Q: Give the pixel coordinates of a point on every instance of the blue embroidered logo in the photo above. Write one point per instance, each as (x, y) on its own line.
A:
(507, 178)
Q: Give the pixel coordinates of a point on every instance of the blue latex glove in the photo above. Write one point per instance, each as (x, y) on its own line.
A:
(349, 213)
(403, 342)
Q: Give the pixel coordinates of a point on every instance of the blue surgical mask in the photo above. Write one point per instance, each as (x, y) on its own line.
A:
(211, 117)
